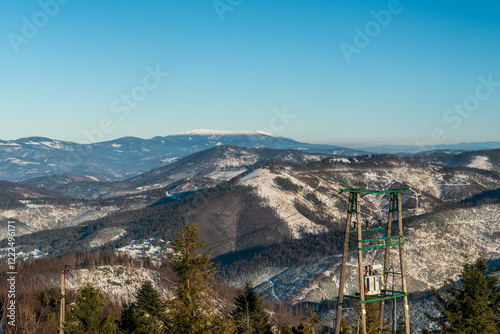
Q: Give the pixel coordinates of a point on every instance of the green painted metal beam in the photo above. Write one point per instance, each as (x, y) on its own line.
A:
(354, 296)
(378, 246)
(383, 298)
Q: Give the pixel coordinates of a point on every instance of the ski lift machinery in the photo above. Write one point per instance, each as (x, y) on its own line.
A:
(373, 278)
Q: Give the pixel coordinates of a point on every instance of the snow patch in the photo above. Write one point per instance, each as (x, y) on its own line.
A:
(53, 144)
(146, 248)
(481, 162)
(22, 162)
(281, 201)
(169, 160)
(206, 132)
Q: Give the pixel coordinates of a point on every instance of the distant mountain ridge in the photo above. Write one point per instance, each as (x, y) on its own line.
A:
(126, 157)
(122, 158)
(489, 160)
(199, 170)
(412, 149)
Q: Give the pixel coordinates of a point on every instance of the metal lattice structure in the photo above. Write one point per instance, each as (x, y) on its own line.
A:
(367, 278)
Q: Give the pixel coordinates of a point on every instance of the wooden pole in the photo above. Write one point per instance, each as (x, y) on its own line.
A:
(360, 264)
(344, 264)
(386, 260)
(63, 300)
(402, 264)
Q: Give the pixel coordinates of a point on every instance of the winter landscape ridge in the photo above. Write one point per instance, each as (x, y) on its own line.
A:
(130, 195)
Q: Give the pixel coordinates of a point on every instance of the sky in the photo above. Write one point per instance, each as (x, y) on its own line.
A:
(354, 73)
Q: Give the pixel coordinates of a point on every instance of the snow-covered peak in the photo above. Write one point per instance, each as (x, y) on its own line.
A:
(205, 132)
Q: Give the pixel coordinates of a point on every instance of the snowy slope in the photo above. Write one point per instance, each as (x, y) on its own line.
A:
(436, 246)
(281, 201)
(125, 157)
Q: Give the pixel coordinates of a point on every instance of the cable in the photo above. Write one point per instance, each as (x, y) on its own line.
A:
(274, 224)
(219, 243)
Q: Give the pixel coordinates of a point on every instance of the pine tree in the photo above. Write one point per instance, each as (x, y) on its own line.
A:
(149, 300)
(249, 314)
(86, 313)
(309, 323)
(193, 310)
(147, 315)
(471, 306)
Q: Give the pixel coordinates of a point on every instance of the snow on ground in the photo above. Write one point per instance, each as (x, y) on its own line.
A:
(33, 254)
(146, 248)
(53, 144)
(281, 201)
(435, 249)
(218, 132)
(225, 174)
(481, 162)
(169, 160)
(22, 162)
(119, 283)
(44, 216)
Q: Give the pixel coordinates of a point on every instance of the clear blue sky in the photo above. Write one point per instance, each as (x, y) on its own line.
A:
(235, 67)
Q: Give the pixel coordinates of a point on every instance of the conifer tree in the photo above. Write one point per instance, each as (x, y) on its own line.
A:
(193, 310)
(249, 314)
(149, 300)
(147, 315)
(86, 313)
(309, 324)
(471, 305)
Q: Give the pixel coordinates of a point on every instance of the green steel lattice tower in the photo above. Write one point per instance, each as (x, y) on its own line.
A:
(387, 242)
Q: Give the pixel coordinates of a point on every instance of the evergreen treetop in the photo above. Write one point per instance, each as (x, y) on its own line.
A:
(85, 315)
(194, 309)
(249, 314)
(471, 305)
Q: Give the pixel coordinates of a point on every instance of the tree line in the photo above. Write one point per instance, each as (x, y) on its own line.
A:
(199, 304)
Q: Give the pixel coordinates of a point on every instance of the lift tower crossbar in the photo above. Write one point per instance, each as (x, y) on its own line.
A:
(380, 295)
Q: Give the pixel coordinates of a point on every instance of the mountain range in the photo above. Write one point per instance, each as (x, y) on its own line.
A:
(122, 158)
(125, 157)
(274, 216)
